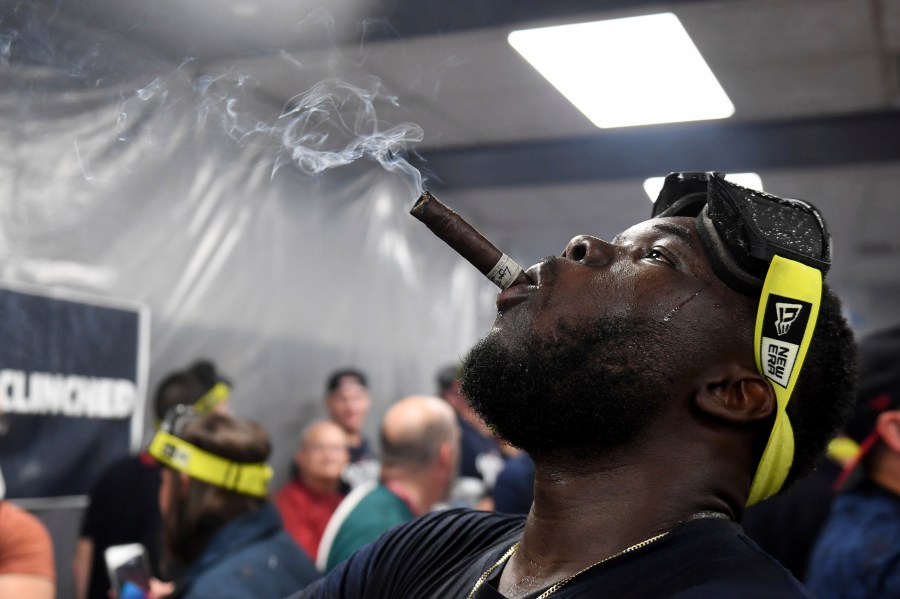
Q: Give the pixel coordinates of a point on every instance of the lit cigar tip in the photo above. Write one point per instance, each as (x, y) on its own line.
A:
(424, 199)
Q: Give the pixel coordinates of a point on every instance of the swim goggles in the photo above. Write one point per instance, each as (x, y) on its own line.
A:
(779, 250)
(170, 450)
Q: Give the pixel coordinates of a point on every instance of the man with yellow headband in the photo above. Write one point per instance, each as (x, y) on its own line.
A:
(221, 535)
(661, 382)
(123, 504)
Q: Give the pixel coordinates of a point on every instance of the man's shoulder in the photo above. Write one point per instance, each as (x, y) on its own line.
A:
(25, 545)
(273, 566)
(452, 523)
(376, 507)
(440, 554)
(277, 545)
(714, 557)
(447, 536)
(380, 495)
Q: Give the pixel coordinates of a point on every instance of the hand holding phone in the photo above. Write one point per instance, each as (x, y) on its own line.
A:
(129, 571)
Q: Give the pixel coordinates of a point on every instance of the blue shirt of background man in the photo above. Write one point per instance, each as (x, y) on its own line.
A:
(858, 553)
(251, 557)
(514, 490)
(473, 448)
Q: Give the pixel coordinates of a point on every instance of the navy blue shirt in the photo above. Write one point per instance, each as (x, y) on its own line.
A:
(252, 557)
(514, 490)
(858, 552)
(443, 554)
(480, 456)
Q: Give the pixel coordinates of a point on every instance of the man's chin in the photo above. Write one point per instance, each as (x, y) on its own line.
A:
(513, 323)
(577, 391)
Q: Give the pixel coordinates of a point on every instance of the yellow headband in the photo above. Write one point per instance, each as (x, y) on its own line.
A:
(785, 320)
(216, 395)
(178, 454)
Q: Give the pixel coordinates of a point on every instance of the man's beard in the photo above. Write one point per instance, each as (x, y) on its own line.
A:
(582, 392)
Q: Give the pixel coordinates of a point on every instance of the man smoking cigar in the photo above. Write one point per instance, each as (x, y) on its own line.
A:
(661, 381)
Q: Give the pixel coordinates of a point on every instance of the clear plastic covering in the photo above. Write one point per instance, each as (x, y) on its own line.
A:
(138, 179)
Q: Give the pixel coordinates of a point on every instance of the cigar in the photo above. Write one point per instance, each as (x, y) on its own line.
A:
(468, 243)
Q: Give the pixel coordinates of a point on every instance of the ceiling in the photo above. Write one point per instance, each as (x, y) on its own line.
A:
(815, 84)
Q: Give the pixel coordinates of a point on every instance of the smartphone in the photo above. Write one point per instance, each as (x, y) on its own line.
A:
(129, 570)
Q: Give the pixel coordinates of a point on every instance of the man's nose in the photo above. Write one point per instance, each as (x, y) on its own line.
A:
(588, 250)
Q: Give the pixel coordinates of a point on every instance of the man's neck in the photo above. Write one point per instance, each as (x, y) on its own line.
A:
(322, 486)
(354, 440)
(582, 516)
(417, 492)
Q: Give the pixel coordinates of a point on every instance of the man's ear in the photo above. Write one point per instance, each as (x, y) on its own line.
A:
(445, 456)
(735, 394)
(888, 426)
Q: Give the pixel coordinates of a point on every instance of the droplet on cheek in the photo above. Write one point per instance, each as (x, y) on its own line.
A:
(669, 316)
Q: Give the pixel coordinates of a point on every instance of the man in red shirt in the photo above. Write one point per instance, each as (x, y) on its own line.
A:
(307, 502)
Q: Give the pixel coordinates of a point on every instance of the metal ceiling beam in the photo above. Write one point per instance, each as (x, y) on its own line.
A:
(411, 19)
(641, 152)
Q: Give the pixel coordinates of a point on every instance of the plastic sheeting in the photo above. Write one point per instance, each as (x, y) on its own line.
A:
(129, 177)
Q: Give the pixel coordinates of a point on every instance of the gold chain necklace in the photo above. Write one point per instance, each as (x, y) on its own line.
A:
(564, 581)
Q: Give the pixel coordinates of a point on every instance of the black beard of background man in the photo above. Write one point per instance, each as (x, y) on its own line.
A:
(627, 371)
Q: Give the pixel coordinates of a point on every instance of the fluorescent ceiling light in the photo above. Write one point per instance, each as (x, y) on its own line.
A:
(653, 185)
(626, 72)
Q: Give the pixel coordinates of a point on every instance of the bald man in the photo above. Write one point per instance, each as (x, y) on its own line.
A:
(419, 443)
(307, 502)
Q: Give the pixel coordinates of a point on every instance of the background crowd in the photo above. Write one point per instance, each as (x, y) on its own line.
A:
(344, 489)
(837, 530)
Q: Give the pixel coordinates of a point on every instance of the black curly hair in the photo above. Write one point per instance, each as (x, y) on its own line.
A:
(825, 393)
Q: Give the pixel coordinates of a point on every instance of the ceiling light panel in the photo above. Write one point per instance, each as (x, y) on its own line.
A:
(627, 72)
(654, 185)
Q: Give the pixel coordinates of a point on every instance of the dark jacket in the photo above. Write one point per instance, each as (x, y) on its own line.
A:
(252, 557)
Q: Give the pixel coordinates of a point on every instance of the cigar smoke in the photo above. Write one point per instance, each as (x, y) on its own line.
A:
(468, 242)
(338, 110)
(336, 118)
(334, 123)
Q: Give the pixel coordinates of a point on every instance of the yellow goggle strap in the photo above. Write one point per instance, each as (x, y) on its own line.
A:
(178, 454)
(216, 395)
(842, 449)
(785, 320)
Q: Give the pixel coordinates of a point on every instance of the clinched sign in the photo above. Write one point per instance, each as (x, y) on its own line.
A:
(72, 382)
(788, 310)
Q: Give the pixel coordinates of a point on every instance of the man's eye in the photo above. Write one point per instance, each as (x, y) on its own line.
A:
(656, 254)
